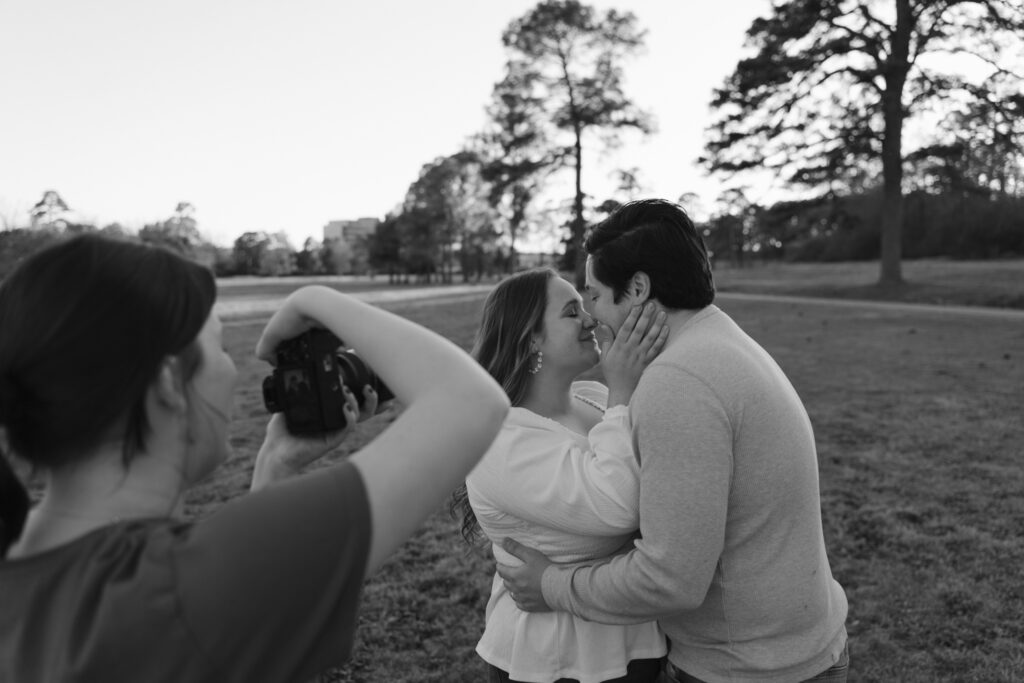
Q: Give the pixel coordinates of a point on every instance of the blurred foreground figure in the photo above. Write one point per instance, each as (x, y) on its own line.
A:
(115, 385)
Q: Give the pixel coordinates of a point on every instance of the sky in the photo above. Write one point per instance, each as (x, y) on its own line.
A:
(282, 116)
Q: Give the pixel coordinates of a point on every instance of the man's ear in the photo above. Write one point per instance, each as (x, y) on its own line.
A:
(639, 288)
(168, 387)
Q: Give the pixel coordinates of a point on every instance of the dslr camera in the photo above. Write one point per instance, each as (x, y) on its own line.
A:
(307, 383)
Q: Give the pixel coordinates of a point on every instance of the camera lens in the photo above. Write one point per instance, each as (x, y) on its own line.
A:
(270, 395)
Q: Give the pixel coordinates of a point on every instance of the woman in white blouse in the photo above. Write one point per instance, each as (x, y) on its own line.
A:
(561, 476)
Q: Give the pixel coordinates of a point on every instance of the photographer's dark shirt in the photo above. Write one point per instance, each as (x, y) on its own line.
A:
(265, 589)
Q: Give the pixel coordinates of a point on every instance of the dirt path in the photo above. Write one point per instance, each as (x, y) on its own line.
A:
(235, 309)
(894, 306)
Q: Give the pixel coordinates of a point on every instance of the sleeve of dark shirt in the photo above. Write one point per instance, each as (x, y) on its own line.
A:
(270, 584)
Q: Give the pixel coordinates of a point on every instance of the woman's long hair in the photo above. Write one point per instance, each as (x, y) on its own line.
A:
(513, 313)
(84, 327)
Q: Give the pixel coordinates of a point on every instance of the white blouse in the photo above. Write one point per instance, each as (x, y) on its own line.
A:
(573, 497)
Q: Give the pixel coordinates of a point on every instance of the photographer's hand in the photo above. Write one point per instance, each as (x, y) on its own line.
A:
(370, 404)
(284, 454)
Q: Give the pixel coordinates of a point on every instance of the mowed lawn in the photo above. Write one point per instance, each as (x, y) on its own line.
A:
(938, 281)
(918, 418)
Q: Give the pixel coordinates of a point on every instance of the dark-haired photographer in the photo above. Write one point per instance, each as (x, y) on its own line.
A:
(115, 386)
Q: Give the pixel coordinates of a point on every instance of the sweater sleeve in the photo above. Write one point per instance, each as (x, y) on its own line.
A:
(684, 441)
(269, 585)
(545, 475)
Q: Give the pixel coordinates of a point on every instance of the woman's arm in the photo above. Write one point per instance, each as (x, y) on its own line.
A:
(545, 475)
(548, 477)
(453, 408)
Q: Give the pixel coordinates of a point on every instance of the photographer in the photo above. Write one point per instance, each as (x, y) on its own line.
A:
(115, 385)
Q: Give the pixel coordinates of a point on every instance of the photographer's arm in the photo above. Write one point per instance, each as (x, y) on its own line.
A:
(453, 409)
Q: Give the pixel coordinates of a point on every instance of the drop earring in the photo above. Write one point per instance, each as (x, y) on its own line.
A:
(539, 364)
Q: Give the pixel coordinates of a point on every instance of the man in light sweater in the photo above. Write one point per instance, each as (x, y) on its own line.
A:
(731, 558)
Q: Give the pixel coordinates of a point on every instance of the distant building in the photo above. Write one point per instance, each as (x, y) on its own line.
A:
(350, 231)
(332, 230)
(535, 259)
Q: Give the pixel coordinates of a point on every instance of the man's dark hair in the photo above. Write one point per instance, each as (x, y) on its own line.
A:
(657, 237)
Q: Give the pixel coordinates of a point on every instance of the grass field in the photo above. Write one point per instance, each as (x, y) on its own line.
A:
(917, 414)
(969, 283)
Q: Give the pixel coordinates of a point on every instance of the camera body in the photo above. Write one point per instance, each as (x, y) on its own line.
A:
(306, 385)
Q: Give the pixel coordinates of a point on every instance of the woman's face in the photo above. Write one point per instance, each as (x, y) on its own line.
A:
(211, 393)
(567, 339)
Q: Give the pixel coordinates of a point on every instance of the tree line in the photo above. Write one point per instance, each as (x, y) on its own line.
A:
(252, 253)
(823, 103)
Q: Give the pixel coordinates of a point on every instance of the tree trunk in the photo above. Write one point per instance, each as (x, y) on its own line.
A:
(578, 226)
(892, 147)
(511, 267)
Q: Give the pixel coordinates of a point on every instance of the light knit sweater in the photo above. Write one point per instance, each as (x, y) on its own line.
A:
(732, 561)
(574, 497)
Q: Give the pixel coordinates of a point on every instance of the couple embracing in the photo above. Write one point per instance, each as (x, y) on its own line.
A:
(664, 525)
